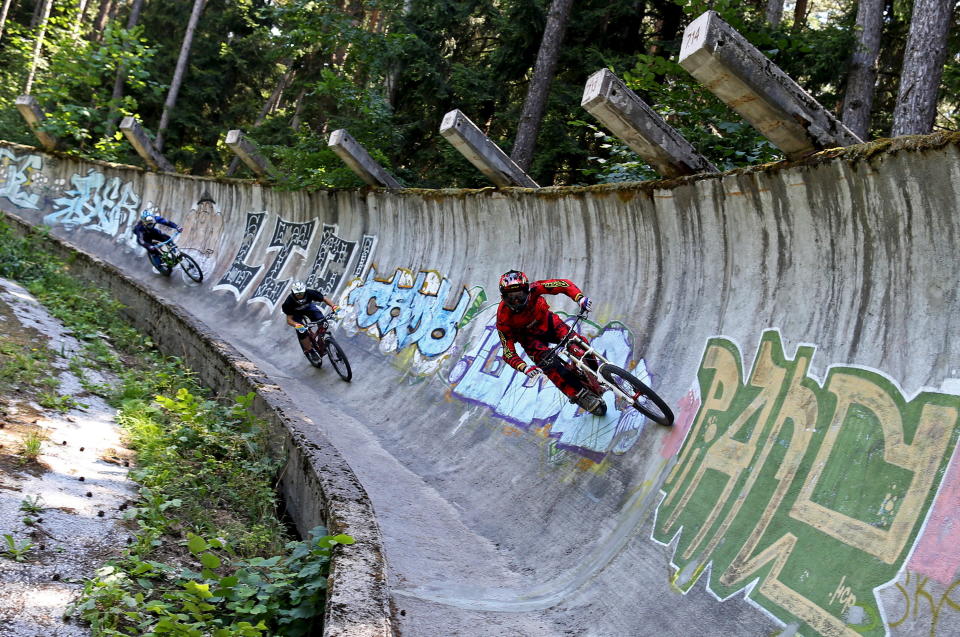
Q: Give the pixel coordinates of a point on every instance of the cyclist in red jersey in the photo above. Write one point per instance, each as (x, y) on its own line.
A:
(524, 317)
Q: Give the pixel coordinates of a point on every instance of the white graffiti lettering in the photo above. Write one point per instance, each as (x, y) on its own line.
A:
(17, 172)
(288, 238)
(95, 203)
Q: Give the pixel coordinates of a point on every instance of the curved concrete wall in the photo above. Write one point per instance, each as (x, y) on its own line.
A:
(802, 319)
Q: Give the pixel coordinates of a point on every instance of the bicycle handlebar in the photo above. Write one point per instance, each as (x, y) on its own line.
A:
(552, 354)
(326, 318)
(176, 233)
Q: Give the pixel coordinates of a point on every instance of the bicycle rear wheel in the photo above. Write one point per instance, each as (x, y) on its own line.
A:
(339, 360)
(190, 267)
(642, 398)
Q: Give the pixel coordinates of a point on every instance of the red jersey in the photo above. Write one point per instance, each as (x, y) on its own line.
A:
(533, 320)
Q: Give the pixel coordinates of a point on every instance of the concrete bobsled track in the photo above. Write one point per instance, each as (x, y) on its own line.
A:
(802, 319)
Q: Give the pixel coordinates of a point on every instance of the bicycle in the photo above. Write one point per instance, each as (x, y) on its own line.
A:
(628, 389)
(168, 256)
(325, 345)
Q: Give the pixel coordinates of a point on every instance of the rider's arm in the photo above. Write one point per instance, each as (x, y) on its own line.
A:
(316, 295)
(510, 352)
(138, 232)
(557, 286)
(168, 223)
(291, 322)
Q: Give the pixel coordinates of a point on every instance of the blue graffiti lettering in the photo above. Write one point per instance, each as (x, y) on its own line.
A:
(96, 204)
(413, 311)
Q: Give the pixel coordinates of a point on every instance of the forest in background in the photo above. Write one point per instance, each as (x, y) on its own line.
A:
(290, 72)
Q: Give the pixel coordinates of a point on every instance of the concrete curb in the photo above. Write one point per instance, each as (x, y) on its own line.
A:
(318, 484)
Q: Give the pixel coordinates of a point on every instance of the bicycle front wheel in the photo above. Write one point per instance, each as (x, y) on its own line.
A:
(339, 360)
(190, 267)
(641, 397)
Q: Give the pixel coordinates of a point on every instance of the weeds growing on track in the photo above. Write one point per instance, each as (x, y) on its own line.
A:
(207, 512)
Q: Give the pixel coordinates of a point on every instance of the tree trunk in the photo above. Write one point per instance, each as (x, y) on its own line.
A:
(268, 106)
(81, 16)
(37, 11)
(298, 110)
(100, 23)
(117, 95)
(862, 77)
(916, 108)
(774, 12)
(45, 15)
(666, 27)
(3, 15)
(800, 15)
(179, 72)
(543, 71)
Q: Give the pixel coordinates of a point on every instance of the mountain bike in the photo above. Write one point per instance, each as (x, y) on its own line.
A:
(168, 256)
(325, 345)
(628, 389)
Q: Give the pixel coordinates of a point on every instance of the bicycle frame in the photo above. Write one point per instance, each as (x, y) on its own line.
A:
(560, 350)
(168, 249)
(315, 329)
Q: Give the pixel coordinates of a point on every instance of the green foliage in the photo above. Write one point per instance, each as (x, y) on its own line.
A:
(280, 595)
(32, 504)
(62, 403)
(23, 369)
(388, 71)
(90, 313)
(31, 446)
(206, 473)
(79, 84)
(14, 549)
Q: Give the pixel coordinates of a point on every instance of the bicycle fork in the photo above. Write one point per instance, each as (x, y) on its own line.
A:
(598, 375)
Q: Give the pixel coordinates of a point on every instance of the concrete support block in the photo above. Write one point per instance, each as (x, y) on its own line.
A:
(483, 153)
(359, 160)
(248, 152)
(743, 77)
(33, 114)
(628, 117)
(138, 138)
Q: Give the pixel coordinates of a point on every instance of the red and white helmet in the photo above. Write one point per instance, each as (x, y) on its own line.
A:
(515, 289)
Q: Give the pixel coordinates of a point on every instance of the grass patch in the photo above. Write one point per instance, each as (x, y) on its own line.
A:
(209, 555)
(31, 446)
(29, 369)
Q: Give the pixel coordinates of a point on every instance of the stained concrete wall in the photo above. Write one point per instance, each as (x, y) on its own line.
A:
(801, 319)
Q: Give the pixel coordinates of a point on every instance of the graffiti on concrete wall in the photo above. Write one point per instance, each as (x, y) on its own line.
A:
(331, 260)
(96, 203)
(367, 246)
(288, 238)
(781, 479)
(409, 309)
(240, 275)
(482, 377)
(919, 605)
(330, 263)
(17, 175)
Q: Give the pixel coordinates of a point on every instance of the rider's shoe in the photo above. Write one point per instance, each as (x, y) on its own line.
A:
(314, 358)
(589, 401)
